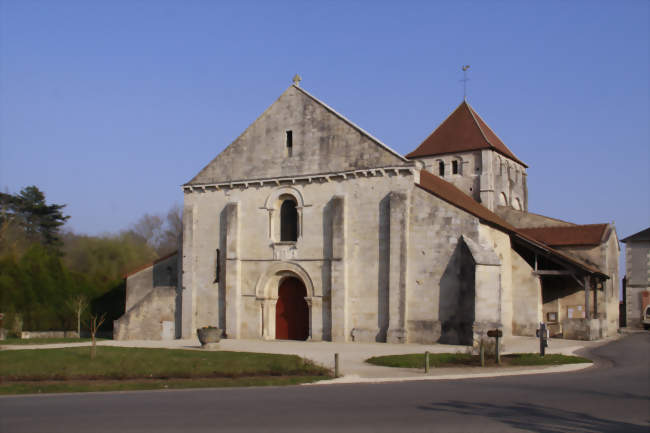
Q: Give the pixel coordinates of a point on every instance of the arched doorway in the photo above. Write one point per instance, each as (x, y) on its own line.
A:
(291, 311)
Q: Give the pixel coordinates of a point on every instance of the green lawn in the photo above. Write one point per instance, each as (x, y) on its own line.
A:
(14, 341)
(416, 360)
(116, 368)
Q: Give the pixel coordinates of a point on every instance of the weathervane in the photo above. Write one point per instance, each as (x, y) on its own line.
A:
(296, 80)
(465, 80)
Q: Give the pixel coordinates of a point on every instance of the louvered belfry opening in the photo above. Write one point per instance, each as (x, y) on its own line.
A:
(288, 221)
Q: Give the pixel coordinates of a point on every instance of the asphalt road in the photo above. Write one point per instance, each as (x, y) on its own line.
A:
(612, 396)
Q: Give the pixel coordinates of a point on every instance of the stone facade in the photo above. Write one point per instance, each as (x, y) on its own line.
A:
(384, 250)
(637, 276)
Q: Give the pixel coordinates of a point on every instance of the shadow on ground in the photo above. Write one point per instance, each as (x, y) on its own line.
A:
(536, 418)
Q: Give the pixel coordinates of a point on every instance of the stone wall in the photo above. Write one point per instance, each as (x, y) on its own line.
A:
(522, 220)
(637, 269)
(151, 309)
(152, 318)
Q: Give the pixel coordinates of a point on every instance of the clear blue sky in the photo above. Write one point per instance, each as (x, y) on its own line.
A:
(109, 106)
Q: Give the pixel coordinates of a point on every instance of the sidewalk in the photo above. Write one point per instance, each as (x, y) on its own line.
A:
(352, 356)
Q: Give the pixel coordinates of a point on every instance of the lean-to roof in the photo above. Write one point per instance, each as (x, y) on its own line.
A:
(578, 235)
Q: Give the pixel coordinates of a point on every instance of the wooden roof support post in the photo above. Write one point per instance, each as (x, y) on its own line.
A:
(587, 287)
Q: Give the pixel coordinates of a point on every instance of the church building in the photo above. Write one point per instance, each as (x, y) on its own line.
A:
(307, 227)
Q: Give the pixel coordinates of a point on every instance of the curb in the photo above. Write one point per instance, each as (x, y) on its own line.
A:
(351, 379)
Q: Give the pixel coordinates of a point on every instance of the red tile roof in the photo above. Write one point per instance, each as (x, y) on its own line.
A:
(449, 193)
(462, 131)
(579, 235)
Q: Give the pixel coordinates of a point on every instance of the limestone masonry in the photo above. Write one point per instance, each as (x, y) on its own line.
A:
(306, 226)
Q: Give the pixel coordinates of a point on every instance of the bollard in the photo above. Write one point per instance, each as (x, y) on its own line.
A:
(497, 349)
(482, 351)
(426, 362)
(336, 365)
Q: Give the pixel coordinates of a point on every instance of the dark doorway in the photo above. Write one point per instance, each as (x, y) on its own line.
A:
(291, 311)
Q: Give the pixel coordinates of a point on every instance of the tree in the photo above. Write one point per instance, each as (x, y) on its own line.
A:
(78, 304)
(29, 211)
(94, 324)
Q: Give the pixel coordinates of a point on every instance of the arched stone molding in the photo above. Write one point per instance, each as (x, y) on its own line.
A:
(268, 283)
(266, 292)
(272, 206)
(503, 199)
(516, 204)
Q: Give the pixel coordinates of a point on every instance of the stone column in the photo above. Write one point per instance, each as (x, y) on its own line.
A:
(487, 180)
(233, 271)
(339, 286)
(268, 319)
(315, 304)
(188, 322)
(398, 267)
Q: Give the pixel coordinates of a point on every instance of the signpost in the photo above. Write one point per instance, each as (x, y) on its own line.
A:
(542, 333)
(496, 333)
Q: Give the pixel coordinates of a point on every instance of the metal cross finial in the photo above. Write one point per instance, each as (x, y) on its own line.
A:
(465, 80)
(296, 80)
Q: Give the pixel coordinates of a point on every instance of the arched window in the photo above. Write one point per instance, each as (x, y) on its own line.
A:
(288, 221)
(503, 200)
(441, 168)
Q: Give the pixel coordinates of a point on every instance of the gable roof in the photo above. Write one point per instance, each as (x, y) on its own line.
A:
(349, 122)
(324, 141)
(462, 131)
(643, 235)
(578, 235)
(449, 193)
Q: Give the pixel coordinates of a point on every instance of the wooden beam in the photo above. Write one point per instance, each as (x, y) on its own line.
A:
(552, 272)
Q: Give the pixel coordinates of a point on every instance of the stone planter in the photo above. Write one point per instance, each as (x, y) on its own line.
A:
(209, 335)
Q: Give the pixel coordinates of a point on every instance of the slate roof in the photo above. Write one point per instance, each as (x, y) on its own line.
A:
(462, 131)
(449, 193)
(578, 235)
(643, 235)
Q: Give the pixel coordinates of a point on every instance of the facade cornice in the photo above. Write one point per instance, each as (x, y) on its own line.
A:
(399, 170)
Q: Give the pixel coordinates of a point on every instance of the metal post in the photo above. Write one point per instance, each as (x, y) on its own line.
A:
(497, 350)
(542, 338)
(482, 351)
(426, 362)
(336, 365)
(587, 287)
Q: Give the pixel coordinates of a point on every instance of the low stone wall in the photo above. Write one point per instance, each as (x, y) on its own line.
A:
(582, 329)
(26, 335)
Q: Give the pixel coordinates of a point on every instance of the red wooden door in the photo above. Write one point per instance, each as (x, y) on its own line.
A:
(291, 311)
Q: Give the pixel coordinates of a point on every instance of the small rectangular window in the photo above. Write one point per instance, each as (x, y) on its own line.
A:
(454, 167)
(441, 168)
(289, 143)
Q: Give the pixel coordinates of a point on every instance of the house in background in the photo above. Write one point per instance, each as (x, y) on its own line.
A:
(308, 227)
(636, 288)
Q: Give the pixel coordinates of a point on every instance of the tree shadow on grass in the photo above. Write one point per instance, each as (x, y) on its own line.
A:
(536, 418)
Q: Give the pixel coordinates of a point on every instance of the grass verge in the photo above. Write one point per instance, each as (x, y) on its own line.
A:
(416, 360)
(27, 341)
(46, 387)
(122, 368)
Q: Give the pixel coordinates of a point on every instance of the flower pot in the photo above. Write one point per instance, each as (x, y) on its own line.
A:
(209, 335)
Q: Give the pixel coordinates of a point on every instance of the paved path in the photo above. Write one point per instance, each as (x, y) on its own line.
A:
(353, 355)
(613, 396)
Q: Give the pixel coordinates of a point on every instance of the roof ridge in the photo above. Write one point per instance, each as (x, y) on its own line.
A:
(434, 131)
(473, 113)
(351, 123)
